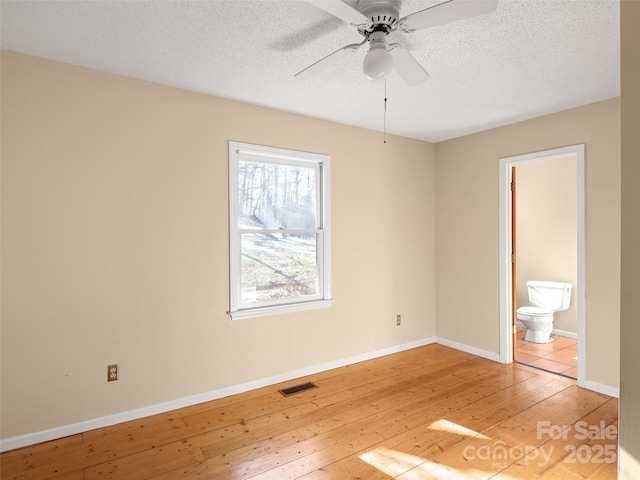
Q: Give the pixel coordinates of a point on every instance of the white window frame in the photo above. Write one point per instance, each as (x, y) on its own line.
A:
(322, 163)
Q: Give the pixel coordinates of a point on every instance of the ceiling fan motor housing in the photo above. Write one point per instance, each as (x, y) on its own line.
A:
(383, 14)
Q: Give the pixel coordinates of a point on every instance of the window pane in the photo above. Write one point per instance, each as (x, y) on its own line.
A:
(274, 196)
(278, 266)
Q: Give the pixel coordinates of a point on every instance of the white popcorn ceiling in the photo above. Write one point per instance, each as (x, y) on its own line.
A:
(528, 58)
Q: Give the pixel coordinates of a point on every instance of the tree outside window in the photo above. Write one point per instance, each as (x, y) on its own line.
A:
(279, 235)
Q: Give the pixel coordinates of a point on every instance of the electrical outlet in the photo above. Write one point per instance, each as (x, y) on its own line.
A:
(112, 373)
(398, 319)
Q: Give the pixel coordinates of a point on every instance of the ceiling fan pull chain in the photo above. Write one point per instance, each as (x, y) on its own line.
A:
(384, 120)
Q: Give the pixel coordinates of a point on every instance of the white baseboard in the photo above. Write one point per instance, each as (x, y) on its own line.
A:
(75, 428)
(564, 333)
(466, 348)
(600, 388)
(555, 331)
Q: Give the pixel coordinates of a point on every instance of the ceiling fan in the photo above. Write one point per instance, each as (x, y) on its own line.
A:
(375, 19)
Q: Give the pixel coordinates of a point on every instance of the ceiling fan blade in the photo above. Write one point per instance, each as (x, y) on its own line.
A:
(341, 10)
(300, 38)
(407, 66)
(449, 11)
(327, 61)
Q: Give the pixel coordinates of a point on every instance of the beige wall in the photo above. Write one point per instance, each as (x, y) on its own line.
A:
(114, 241)
(467, 236)
(115, 248)
(546, 231)
(630, 300)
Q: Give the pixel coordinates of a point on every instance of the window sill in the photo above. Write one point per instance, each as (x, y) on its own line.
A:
(279, 309)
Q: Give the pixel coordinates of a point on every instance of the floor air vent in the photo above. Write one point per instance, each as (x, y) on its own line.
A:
(298, 388)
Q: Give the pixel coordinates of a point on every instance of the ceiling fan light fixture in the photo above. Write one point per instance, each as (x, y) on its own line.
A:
(378, 62)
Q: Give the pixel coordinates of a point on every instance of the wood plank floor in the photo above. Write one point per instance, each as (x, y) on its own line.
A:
(429, 412)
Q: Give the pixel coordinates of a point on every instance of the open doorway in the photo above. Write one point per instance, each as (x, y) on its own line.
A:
(544, 205)
(513, 285)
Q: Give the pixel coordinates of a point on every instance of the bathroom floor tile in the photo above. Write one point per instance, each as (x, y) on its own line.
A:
(559, 356)
(551, 346)
(572, 372)
(562, 342)
(566, 356)
(525, 357)
(525, 348)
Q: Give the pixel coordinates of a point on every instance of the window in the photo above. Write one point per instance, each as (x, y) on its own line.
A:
(279, 230)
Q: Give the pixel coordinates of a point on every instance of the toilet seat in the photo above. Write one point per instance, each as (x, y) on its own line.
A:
(535, 311)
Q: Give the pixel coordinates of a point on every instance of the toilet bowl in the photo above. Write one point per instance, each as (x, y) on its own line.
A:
(546, 298)
(538, 322)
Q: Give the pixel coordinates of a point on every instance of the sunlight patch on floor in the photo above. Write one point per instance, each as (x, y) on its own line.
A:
(447, 426)
(391, 462)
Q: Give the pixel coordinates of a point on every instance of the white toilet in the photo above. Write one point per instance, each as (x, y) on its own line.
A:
(546, 298)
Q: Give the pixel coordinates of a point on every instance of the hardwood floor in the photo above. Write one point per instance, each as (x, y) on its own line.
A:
(430, 412)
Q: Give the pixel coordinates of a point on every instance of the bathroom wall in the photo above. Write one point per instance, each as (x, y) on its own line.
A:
(546, 230)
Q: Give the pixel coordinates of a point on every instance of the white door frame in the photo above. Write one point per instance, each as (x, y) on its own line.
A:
(506, 339)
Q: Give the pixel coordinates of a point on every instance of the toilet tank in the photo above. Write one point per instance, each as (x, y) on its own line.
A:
(554, 296)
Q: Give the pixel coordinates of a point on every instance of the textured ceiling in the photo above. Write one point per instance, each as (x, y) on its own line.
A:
(528, 58)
